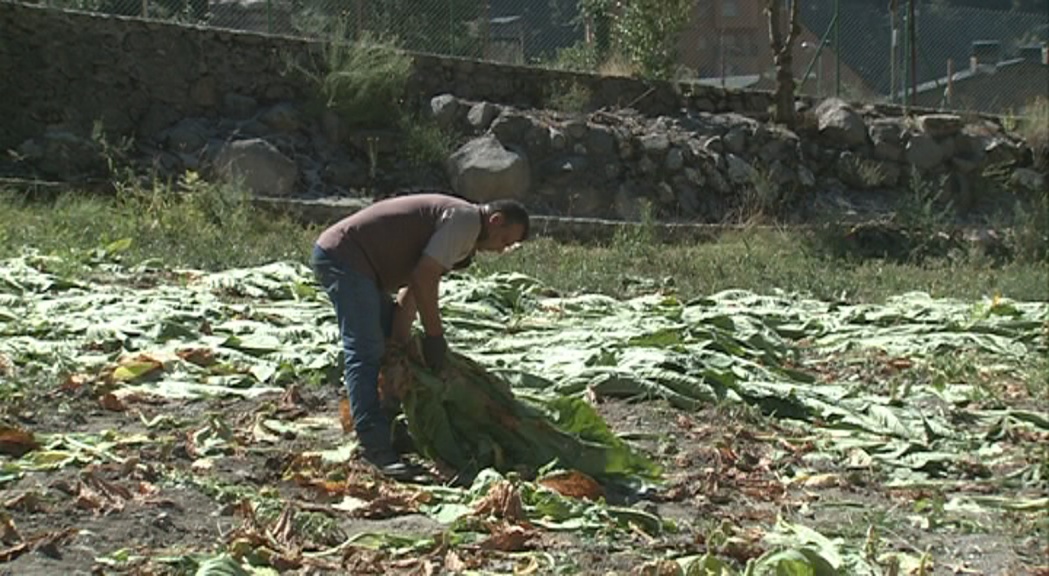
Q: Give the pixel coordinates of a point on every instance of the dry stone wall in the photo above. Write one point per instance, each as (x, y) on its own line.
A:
(222, 103)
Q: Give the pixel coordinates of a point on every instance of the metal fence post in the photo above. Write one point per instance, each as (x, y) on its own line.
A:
(837, 49)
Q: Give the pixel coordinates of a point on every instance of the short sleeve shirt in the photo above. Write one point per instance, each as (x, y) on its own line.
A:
(455, 236)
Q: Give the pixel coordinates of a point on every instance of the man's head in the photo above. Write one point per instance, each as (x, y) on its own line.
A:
(505, 224)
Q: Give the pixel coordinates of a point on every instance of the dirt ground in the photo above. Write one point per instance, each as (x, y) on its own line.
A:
(159, 493)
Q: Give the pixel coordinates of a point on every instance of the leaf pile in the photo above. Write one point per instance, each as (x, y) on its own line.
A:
(471, 420)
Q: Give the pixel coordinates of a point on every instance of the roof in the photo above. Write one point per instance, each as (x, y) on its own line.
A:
(944, 32)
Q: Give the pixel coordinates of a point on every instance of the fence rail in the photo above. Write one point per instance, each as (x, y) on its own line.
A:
(928, 55)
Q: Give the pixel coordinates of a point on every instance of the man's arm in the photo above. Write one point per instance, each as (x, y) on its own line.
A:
(404, 316)
(423, 291)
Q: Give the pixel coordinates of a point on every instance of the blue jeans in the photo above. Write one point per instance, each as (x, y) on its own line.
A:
(365, 317)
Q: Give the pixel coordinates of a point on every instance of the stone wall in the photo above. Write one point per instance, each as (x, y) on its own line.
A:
(223, 104)
(71, 69)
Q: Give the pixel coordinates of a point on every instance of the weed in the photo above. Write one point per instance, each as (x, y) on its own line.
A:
(425, 142)
(568, 96)
(1034, 129)
(361, 81)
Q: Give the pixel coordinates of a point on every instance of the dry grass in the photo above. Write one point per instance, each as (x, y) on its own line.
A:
(1035, 130)
(618, 66)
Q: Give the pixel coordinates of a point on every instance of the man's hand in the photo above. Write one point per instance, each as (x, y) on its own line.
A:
(434, 350)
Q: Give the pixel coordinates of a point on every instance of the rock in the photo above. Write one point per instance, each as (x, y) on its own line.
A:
(695, 177)
(576, 128)
(839, 124)
(736, 140)
(739, 170)
(665, 193)
(627, 203)
(482, 114)
(557, 139)
(282, 118)
(780, 175)
(259, 166)
(718, 182)
(187, 137)
(964, 165)
(940, 125)
(570, 165)
(484, 169)
(1000, 151)
(1028, 179)
(601, 142)
(887, 151)
(805, 177)
(238, 106)
(655, 143)
(923, 152)
(511, 128)
(714, 144)
(444, 109)
(345, 174)
(688, 198)
(675, 159)
(886, 130)
(647, 166)
(66, 156)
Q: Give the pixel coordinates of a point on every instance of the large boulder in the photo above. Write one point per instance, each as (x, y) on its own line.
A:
(258, 166)
(483, 169)
(839, 124)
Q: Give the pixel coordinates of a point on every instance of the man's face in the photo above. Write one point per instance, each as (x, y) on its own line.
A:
(501, 234)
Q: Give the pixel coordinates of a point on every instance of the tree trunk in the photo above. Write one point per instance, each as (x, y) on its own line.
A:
(782, 57)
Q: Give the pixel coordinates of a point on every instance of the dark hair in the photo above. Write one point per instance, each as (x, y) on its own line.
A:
(513, 211)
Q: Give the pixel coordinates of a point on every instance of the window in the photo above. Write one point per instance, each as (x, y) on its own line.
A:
(730, 8)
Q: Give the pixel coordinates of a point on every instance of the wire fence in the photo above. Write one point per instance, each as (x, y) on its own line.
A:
(927, 54)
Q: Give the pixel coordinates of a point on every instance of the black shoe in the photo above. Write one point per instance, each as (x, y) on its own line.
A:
(389, 464)
(402, 439)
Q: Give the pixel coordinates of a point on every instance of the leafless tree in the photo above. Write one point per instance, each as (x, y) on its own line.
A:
(782, 57)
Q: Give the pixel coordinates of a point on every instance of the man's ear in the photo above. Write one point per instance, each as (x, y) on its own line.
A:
(497, 219)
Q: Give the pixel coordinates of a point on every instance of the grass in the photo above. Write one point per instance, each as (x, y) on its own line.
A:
(199, 225)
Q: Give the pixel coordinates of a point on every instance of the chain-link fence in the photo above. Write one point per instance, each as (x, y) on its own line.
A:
(926, 54)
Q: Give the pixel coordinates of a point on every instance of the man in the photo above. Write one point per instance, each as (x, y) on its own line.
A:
(402, 244)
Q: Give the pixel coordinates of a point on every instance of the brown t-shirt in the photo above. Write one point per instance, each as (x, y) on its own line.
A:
(385, 240)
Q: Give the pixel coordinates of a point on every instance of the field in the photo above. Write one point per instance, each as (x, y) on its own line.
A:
(171, 405)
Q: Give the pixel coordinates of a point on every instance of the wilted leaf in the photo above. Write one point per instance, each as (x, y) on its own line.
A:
(46, 540)
(508, 538)
(502, 501)
(136, 368)
(574, 484)
(16, 442)
(110, 402)
(345, 416)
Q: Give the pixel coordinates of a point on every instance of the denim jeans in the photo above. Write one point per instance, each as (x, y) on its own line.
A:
(365, 317)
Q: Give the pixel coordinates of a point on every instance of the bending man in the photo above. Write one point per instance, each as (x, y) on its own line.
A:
(401, 245)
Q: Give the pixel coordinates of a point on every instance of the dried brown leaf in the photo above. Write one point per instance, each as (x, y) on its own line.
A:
(45, 540)
(25, 502)
(502, 501)
(508, 538)
(203, 357)
(574, 484)
(16, 442)
(345, 416)
(8, 532)
(110, 402)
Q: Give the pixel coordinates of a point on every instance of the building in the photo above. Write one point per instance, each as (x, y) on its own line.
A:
(990, 83)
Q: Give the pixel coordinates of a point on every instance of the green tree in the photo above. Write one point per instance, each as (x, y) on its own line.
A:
(647, 33)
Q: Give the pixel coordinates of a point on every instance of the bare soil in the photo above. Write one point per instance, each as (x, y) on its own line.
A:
(725, 471)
